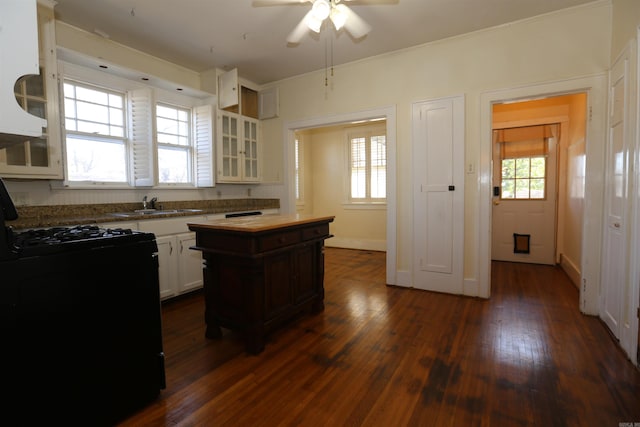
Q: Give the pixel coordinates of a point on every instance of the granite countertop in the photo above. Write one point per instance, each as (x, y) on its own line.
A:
(67, 215)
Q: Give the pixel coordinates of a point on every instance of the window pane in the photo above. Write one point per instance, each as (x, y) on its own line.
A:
(538, 167)
(173, 166)
(508, 168)
(91, 160)
(378, 182)
(358, 184)
(92, 95)
(522, 168)
(537, 188)
(508, 189)
(522, 188)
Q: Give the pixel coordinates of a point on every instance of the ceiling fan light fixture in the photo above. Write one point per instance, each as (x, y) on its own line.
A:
(338, 16)
(321, 9)
(313, 23)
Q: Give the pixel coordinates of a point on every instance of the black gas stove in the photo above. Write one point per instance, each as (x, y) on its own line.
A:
(45, 241)
(80, 322)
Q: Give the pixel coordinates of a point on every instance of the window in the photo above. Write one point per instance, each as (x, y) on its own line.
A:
(523, 160)
(367, 166)
(523, 178)
(299, 175)
(120, 133)
(95, 133)
(173, 134)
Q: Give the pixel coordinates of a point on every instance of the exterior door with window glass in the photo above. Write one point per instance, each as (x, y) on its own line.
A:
(524, 198)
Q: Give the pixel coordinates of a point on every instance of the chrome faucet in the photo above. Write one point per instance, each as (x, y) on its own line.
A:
(153, 202)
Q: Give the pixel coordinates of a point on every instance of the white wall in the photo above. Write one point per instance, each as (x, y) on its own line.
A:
(563, 45)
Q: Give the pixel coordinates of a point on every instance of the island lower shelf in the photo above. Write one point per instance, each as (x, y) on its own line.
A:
(261, 272)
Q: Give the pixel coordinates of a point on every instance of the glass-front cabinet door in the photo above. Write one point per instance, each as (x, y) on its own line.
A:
(37, 157)
(250, 152)
(228, 149)
(238, 148)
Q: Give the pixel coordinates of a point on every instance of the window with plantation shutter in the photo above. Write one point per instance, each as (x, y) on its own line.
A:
(203, 142)
(367, 162)
(123, 134)
(141, 136)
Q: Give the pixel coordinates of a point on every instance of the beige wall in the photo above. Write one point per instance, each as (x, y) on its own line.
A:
(626, 18)
(325, 167)
(570, 43)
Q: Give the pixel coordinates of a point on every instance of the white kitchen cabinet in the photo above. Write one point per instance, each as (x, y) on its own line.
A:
(189, 263)
(180, 268)
(167, 271)
(239, 150)
(37, 156)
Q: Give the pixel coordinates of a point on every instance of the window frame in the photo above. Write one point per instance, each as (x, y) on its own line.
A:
(528, 178)
(368, 132)
(188, 148)
(298, 154)
(93, 136)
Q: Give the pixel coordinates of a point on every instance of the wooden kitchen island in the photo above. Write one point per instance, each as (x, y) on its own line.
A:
(260, 272)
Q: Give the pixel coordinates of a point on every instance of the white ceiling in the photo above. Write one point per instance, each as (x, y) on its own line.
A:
(205, 34)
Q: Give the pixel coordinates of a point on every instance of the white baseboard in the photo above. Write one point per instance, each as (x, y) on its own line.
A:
(359, 244)
(403, 278)
(470, 287)
(571, 269)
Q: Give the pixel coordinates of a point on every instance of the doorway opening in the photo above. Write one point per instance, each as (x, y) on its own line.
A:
(595, 88)
(288, 204)
(538, 180)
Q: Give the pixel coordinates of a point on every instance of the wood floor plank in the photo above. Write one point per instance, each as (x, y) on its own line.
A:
(380, 355)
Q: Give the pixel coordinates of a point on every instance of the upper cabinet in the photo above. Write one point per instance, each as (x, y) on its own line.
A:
(238, 148)
(36, 155)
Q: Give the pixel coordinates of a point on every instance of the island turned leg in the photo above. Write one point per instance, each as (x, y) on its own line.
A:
(213, 330)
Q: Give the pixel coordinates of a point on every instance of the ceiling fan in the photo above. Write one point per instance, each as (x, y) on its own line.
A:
(339, 13)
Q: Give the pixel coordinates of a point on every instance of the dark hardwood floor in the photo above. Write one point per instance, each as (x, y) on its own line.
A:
(388, 356)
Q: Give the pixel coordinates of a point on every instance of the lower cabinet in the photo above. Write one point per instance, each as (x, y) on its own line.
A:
(180, 267)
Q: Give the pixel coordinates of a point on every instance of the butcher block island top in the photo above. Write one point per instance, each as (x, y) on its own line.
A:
(258, 223)
(261, 271)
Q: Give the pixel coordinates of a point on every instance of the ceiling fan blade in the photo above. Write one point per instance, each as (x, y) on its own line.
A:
(260, 3)
(371, 2)
(299, 31)
(355, 25)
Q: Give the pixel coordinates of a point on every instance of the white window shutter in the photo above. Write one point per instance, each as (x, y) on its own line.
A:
(141, 134)
(204, 145)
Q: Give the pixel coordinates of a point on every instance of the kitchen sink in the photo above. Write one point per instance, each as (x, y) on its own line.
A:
(153, 212)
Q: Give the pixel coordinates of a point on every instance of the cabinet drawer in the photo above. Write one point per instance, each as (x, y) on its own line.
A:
(279, 240)
(315, 232)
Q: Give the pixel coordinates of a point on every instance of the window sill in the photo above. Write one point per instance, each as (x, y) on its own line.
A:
(364, 205)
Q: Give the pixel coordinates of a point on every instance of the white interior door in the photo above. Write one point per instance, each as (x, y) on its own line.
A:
(535, 218)
(614, 256)
(438, 165)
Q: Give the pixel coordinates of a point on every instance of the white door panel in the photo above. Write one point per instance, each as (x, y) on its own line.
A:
(438, 161)
(616, 199)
